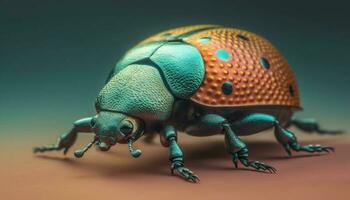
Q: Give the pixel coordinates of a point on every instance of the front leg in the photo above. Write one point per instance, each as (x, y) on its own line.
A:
(169, 139)
(66, 140)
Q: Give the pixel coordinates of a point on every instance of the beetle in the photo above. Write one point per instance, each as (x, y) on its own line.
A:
(202, 80)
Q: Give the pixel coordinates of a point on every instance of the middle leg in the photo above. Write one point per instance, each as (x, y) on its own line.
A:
(212, 124)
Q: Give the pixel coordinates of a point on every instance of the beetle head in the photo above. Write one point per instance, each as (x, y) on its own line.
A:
(112, 128)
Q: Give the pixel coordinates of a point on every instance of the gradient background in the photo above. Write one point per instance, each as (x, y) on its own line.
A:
(55, 56)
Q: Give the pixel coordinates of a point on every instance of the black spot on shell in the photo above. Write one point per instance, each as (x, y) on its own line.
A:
(291, 90)
(242, 37)
(264, 62)
(227, 88)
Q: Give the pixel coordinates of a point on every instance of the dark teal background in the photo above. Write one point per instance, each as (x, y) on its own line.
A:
(55, 55)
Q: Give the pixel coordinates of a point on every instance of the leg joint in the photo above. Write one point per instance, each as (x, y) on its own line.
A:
(170, 133)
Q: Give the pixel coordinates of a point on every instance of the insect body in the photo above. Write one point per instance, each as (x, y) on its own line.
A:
(202, 80)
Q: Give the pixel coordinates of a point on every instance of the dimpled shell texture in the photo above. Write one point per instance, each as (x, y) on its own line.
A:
(243, 69)
(145, 99)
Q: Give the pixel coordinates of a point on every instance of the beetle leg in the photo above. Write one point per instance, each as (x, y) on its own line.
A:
(289, 142)
(66, 140)
(311, 125)
(176, 155)
(239, 151)
(258, 122)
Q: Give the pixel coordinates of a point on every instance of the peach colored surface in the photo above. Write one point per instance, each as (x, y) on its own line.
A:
(252, 83)
(116, 175)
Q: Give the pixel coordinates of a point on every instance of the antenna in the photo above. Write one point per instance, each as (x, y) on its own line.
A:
(134, 152)
(80, 152)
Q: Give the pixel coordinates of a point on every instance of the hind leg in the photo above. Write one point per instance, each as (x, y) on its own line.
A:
(311, 125)
(289, 142)
(258, 122)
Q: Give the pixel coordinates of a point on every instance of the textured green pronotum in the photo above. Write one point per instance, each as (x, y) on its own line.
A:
(137, 90)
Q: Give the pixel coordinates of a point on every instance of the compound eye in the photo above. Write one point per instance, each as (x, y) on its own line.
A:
(126, 128)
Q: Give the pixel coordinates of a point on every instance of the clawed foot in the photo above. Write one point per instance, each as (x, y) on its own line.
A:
(64, 142)
(242, 156)
(43, 149)
(307, 148)
(184, 173)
